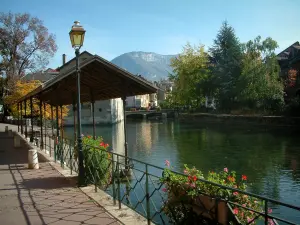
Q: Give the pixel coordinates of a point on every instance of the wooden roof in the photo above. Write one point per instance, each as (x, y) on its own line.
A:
(100, 80)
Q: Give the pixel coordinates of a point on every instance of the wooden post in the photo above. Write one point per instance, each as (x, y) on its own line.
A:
(18, 117)
(45, 126)
(21, 104)
(125, 132)
(25, 118)
(41, 121)
(74, 121)
(31, 115)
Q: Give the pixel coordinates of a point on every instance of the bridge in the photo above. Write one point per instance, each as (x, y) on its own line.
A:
(146, 114)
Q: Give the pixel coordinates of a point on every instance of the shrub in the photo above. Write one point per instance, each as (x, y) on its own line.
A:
(97, 161)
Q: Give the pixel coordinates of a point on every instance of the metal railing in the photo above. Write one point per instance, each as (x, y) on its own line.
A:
(138, 185)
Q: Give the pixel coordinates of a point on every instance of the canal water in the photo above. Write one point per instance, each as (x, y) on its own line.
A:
(269, 157)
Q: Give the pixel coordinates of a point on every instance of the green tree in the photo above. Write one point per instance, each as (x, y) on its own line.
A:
(259, 82)
(227, 54)
(190, 71)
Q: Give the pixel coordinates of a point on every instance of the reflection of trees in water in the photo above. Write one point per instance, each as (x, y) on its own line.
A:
(257, 153)
(292, 159)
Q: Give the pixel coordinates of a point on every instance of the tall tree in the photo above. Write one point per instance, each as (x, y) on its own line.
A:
(190, 71)
(25, 45)
(259, 82)
(227, 54)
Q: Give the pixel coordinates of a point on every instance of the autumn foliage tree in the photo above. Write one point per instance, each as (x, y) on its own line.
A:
(291, 78)
(22, 88)
(25, 44)
(25, 47)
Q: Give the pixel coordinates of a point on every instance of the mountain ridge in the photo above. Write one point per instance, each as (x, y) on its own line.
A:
(150, 65)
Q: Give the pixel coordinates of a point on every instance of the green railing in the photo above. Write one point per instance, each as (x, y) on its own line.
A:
(137, 184)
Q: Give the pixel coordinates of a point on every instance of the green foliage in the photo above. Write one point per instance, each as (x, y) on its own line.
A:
(239, 76)
(190, 71)
(227, 53)
(259, 81)
(97, 161)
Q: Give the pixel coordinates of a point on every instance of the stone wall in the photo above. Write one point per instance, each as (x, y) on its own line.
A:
(240, 119)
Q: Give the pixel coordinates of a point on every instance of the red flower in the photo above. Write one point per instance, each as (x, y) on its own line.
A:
(235, 211)
(194, 178)
(89, 137)
(244, 177)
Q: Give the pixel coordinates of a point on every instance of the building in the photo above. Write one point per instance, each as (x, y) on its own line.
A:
(165, 88)
(142, 101)
(289, 59)
(106, 112)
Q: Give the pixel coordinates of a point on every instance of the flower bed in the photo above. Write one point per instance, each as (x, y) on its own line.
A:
(191, 198)
(97, 161)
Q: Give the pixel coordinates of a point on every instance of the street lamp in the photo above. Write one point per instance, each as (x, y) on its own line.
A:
(77, 37)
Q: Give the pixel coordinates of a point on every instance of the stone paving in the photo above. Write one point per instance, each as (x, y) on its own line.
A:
(44, 196)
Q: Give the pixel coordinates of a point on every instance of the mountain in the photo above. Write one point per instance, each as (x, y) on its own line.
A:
(150, 65)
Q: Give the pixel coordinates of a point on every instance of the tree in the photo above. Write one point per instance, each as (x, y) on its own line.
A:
(259, 82)
(25, 45)
(190, 71)
(227, 54)
(22, 88)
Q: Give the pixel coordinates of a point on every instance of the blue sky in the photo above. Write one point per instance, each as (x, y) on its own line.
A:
(162, 26)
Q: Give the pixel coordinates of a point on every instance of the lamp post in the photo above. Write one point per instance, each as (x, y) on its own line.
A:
(77, 37)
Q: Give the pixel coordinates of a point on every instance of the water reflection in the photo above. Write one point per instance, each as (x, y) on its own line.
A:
(270, 158)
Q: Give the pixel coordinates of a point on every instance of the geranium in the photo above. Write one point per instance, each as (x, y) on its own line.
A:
(167, 163)
(189, 186)
(97, 160)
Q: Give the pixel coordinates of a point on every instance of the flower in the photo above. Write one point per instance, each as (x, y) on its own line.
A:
(185, 185)
(269, 210)
(193, 185)
(231, 178)
(235, 211)
(89, 137)
(194, 178)
(164, 189)
(249, 220)
(167, 163)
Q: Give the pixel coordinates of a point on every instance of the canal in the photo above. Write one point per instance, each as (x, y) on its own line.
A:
(269, 157)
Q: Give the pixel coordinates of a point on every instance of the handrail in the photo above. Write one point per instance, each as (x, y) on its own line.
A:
(139, 187)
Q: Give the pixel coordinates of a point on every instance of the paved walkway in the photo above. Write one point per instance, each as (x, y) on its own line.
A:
(39, 197)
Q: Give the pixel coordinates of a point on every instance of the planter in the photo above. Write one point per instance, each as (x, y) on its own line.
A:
(205, 207)
(211, 208)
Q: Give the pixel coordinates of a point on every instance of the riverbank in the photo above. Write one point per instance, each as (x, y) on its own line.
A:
(240, 119)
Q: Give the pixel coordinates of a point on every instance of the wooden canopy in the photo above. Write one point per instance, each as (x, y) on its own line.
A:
(100, 80)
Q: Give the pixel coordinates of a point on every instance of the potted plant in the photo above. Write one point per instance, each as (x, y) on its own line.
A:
(193, 197)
